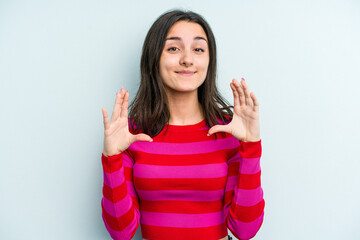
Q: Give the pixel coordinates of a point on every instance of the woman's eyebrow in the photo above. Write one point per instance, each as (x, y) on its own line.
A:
(179, 38)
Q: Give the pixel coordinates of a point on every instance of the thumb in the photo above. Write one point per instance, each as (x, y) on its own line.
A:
(142, 137)
(219, 128)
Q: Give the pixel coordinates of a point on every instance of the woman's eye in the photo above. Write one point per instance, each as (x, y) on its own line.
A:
(199, 50)
(172, 49)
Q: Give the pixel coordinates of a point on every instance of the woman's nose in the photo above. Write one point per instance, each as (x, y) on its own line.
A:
(186, 59)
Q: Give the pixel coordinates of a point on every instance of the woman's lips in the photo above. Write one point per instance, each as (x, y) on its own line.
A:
(186, 73)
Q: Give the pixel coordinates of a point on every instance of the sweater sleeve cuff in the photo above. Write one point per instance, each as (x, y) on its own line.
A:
(250, 149)
(112, 163)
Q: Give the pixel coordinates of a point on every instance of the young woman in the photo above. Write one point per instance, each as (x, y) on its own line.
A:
(182, 164)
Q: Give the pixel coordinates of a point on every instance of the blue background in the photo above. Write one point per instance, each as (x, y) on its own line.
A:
(62, 61)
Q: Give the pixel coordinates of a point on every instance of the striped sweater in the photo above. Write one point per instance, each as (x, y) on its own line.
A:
(184, 185)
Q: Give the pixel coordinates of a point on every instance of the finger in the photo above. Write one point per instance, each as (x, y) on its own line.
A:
(219, 128)
(248, 100)
(236, 95)
(256, 102)
(117, 106)
(240, 91)
(125, 105)
(105, 119)
(142, 137)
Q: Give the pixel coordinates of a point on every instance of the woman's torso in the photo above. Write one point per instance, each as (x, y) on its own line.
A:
(167, 165)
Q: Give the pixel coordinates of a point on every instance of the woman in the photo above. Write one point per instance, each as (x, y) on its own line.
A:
(183, 165)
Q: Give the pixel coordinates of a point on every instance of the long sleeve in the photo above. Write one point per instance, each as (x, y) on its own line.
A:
(244, 202)
(120, 204)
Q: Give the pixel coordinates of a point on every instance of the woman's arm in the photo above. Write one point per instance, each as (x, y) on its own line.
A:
(244, 203)
(120, 205)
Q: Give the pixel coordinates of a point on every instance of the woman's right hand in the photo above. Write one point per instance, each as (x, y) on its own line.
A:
(117, 137)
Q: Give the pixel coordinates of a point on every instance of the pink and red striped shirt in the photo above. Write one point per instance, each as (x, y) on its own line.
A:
(184, 185)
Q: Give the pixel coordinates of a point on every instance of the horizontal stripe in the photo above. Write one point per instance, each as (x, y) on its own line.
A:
(182, 220)
(244, 198)
(244, 165)
(185, 160)
(112, 163)
(250, 165)
(114, 179)
(243, 230)
(118, 209)
(250, 149)
(247, 214)
(119, 223)
(115, 194)
(184, 148)
(126, 233)
(118, 193)
(197, 171)
(204, 184)
(182, 195)
(166, 233)
(176, 206)
(249, 181)
(184, 136)
(248, 197)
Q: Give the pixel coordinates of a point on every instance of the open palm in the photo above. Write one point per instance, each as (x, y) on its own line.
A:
(245, 122)
(117, 137)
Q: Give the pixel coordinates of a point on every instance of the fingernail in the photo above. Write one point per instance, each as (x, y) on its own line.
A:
(208, 134)
(243, 79)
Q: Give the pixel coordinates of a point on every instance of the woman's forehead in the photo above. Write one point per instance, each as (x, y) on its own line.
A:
(185, 29)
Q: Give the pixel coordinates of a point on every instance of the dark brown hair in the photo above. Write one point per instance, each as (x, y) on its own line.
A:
(148, 111)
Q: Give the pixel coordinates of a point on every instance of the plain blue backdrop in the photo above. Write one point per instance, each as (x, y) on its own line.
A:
(62, 61)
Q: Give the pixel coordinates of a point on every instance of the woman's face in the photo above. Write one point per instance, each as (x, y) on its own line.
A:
(185, 58)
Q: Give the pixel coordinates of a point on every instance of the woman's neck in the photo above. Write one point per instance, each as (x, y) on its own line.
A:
(184, 108)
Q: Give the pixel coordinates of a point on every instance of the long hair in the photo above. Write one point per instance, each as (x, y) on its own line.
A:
(148, 111)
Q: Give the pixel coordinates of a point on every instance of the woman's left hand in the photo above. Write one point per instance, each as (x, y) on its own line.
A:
(245, 122)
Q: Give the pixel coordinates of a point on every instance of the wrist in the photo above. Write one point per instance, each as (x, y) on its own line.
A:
(110, 154)
(251, 140)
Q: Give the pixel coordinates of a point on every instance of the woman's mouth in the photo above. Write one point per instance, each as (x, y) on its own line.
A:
(186, 73)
